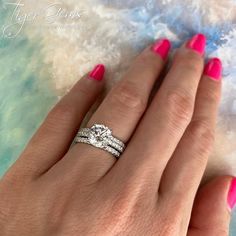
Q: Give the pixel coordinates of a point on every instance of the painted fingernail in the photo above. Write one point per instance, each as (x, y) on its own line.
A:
(162, 47)
(97, 73)
(232, 194)
(198, 43)
(213, 69)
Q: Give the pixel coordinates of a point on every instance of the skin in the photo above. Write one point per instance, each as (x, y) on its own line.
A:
(153, 189)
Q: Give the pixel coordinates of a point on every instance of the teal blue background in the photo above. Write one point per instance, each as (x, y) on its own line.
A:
(26, 94)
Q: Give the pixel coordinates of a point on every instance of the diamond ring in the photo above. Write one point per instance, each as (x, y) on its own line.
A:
(101, 137)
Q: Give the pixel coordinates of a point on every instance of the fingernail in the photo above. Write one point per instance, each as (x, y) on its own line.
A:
(162, 47)
(232, 194)
(213, 69)
(97, 73)
(198, 43)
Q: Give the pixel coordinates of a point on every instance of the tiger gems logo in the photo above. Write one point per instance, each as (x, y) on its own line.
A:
(49, 15)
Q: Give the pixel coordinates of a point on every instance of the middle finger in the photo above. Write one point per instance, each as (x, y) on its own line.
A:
(166, 119)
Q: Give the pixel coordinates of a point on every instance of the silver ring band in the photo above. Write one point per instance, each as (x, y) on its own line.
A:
(111, 142)
(86, 131)
(106, 148)
(101, 137)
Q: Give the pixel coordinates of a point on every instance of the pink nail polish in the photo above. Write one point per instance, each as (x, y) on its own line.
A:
(213, 69)
(162, 47)
(232, 194)
(198, 43)
(97, 73)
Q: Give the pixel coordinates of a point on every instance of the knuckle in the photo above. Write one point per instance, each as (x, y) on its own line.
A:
(212, 96)
(171, 223)
(142, 59)
(190, 61)
(66, 108)
(177, 203)
(129, 197)
(147, 60)
(179, 106)
(201, 130)
(61, 112)
(121, 198)
(80, 87)
(126, 96)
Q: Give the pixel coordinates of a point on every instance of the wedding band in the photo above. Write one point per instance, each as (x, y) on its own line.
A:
(101, 137)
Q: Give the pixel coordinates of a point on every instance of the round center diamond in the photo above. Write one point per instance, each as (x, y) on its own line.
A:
(99, 135)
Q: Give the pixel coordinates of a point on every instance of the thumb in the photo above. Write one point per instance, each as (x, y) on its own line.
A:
(212, 208)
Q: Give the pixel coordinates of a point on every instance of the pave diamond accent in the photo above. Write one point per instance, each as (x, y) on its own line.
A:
(107, 148)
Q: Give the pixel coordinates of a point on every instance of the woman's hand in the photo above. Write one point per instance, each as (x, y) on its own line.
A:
(151, 190)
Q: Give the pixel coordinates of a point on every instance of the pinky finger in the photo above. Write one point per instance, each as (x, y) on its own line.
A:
(212, 208)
